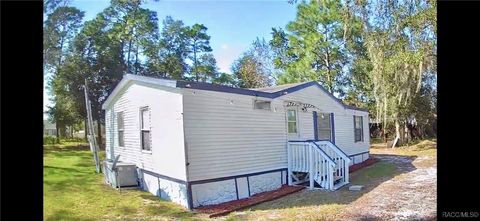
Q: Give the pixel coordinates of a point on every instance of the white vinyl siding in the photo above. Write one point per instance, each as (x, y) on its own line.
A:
(225, 136)
(167, 156)
(364, 145)
(343, 118)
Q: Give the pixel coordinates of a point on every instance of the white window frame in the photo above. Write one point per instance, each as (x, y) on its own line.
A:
(121, 129)
(296, 121)
(258, 100)
(141, 109)
(361, 129)
(329, 116)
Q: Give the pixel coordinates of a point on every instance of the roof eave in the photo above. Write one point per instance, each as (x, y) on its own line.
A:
(130, 77)
(219, 88)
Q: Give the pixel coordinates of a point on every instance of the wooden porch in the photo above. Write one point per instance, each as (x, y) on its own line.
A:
(319, 163)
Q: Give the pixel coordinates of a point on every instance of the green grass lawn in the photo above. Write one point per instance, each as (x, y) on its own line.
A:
(73, 191)
(417, 149)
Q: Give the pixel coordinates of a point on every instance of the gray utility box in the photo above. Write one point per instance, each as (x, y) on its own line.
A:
(123, 175)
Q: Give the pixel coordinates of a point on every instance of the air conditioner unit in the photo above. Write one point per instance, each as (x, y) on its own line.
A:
(121, 174)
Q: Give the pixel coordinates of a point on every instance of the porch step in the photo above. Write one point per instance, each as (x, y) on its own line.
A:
(337, 178)
(339, 185)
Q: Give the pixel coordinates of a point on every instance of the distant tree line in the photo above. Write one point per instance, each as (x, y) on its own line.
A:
(376, 55)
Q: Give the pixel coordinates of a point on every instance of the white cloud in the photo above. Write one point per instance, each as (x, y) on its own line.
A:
(227, 56)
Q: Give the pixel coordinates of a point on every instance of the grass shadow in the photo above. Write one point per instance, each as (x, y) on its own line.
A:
(66, 215)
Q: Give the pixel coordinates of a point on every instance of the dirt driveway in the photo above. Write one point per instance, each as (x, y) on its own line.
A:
(412, 195)
(401, 186)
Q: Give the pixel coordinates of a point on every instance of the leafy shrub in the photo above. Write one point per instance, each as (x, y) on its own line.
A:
(50, 140)
(74, 139)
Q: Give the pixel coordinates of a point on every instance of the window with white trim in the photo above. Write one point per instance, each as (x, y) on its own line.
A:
(145, 128)
(292, 121)
(262, 105)
(358, 128)
(120, 129)
(324, 126)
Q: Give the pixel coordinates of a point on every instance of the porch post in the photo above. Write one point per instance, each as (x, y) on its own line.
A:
(315, 125)
(289, 164)
(347, 169)
(330, 174)
(310, 160)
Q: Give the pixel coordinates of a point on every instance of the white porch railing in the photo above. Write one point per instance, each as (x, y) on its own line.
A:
(321, 162)
(341, 159)
(306, 157)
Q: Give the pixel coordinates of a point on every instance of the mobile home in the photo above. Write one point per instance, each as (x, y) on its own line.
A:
(200, 144)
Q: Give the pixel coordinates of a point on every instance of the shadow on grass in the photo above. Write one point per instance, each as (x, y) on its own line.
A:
(61, 170)
(69, 182)
(64, 149)
(55, 148)
(370, 177)
(126, 210)
(72, 169)
(66, 215)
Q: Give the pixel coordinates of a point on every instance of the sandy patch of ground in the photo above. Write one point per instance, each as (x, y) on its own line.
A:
(409, 196)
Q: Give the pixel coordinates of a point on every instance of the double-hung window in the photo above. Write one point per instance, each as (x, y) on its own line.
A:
(120, 129)
(358, 128)
(292, 121)
(145, 128)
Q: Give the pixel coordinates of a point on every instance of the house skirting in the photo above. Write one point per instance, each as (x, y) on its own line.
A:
(359, 157)
(219, 190)
(165, 187)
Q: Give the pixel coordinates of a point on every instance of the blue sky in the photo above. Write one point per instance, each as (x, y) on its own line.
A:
(232, 25)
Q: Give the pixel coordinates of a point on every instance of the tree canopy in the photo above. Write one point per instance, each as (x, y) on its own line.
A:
(376, 55)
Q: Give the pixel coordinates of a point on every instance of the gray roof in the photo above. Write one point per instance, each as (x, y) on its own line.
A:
(276, 88)
(267, 92)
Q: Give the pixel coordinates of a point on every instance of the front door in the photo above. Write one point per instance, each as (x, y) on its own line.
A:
(323, 126)
(292, 123)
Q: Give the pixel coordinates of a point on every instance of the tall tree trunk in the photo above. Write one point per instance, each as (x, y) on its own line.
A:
(397, 134)
(406, 132)
(402, 133)
(195, 60)
(61, 53)
(329, 77)
(136, 61)
(85, 130)
(385, 118)
(58, 132)
(99, 127)
(128, 55)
